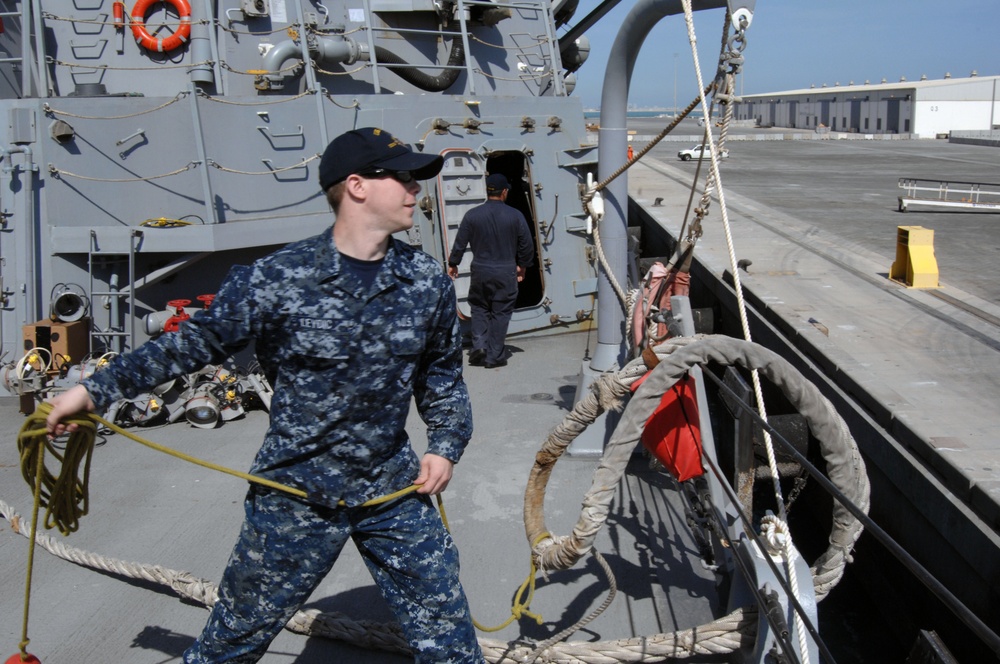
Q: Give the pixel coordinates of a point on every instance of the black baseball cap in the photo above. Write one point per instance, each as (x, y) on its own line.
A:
(496, 183)
(367, 148)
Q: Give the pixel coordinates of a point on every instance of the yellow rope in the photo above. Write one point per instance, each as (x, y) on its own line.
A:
(520, 608)
(65, 497)
(23, 645)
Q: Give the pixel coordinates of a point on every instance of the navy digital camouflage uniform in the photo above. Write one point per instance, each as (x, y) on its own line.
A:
(344, 361)
(500, 241)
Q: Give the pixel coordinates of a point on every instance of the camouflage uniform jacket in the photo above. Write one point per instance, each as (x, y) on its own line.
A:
(344, 362)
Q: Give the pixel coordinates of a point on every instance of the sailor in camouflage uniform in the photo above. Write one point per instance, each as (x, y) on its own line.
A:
(348, 327)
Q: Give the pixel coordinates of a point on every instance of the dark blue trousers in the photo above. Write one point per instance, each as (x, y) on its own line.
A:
(285, 549)
(492, 296)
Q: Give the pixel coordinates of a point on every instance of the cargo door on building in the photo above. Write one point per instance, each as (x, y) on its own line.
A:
(855, 124)
(892, 117)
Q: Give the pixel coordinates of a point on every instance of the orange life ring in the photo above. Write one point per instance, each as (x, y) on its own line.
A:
(146, 40)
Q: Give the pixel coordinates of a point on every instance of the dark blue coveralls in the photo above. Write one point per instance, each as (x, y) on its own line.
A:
(344, 360)
(500, 241)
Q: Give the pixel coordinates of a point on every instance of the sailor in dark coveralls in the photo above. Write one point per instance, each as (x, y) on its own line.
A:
(348, 326)
(501, 251)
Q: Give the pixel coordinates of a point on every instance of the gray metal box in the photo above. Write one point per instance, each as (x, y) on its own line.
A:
(21, 126)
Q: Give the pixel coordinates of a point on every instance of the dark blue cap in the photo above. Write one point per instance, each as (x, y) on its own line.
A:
(496, 183)
(364, 149)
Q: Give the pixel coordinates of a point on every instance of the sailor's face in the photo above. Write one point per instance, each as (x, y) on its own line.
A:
(393, 198)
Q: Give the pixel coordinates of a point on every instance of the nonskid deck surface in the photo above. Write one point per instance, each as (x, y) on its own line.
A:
(150, 508)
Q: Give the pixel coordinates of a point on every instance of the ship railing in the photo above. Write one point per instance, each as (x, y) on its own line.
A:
(30, 71)
(551, 41)
(949, 193)
(374, 30)
(739, 399)
(551, 54)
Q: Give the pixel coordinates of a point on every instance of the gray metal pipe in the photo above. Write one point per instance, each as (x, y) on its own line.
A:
(201, 47)
(42, 70)
(612, 150)
(27, 272)
(281, 53)
(326, 50)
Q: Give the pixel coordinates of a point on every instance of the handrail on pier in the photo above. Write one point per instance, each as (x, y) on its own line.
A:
(949, 193)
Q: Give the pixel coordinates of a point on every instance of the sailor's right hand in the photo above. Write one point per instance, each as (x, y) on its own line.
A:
(70, 402)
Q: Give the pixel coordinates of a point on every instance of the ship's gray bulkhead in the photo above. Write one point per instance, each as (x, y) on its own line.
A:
(139, 177)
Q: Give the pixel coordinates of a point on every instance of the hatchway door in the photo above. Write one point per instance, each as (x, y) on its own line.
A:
(462, 186)
(515, 167)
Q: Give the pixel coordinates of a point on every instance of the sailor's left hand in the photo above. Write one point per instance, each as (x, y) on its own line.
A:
(66, 404)
(435, 473)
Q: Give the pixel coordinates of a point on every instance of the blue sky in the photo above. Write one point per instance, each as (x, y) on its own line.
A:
(797, 43)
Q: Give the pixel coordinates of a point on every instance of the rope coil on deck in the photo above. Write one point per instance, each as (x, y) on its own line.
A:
(559, 552)
(720, 636)
(845, 466)
(677, 357)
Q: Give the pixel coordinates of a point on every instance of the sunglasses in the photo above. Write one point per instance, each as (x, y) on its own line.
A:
(405, 177)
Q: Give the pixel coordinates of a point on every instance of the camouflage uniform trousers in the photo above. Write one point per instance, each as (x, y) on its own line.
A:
(286, 548)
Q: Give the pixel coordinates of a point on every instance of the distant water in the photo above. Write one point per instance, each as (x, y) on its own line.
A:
(635, 114)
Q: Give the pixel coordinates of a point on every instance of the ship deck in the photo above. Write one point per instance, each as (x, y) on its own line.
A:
(923, 364)
(149, 508)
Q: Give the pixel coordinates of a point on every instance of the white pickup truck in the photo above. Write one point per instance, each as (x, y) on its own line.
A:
(696, 153)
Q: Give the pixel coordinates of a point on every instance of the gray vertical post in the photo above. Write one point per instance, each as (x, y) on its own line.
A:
(204, 48)
(464, 28)
(613, 146)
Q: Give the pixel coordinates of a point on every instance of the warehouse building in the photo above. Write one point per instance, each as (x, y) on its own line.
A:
(925, 108)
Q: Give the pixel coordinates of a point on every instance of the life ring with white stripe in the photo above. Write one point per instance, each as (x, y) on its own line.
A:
(160, 45)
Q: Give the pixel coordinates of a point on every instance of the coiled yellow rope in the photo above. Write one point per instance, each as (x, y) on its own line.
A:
(65, 495)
